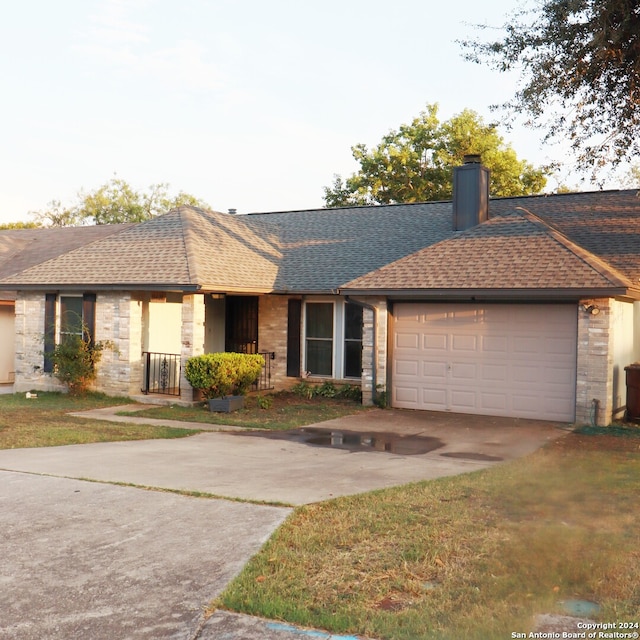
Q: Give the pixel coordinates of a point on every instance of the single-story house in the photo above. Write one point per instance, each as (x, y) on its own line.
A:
(526, 307)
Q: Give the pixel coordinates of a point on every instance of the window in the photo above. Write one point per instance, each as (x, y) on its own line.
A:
(352, 341)
(333, 339)
(319, 338)
(64, 317)
(71, 323)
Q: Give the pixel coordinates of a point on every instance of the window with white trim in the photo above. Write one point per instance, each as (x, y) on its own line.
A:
(333, 339)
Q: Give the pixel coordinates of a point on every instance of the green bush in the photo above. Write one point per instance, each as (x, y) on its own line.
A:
(74, 362)
(218, 375)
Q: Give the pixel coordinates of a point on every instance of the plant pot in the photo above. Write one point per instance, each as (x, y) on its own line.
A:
(226, 404)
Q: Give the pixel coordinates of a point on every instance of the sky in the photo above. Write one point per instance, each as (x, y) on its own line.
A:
(250, 105)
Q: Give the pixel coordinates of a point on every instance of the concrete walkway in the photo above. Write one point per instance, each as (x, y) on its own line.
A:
(93, 560)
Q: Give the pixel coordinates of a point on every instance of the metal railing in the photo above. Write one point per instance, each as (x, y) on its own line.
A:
(263, 383)
(161, 373)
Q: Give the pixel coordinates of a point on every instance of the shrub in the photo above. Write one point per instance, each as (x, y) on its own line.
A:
(218, 375)
(74, 362)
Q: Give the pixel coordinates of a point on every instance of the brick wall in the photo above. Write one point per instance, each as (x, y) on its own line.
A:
(272, 336)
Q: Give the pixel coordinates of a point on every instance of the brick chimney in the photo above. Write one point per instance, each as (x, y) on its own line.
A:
(470, 194)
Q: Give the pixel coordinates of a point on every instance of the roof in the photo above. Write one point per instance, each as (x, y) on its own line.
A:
(560, 243)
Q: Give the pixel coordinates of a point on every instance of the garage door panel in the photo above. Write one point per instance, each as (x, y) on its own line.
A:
(494, 359)
(407, 367)
(462, 400)
(436, 399)
(407, 340)
(496, 373)
(407, 395)
(434, 371)
(463, 371)
(464, 343)
(436, 342)
(495, 344)
(494, 402)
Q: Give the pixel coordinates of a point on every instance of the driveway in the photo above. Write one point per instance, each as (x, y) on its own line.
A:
(269, 468)
(83, 559)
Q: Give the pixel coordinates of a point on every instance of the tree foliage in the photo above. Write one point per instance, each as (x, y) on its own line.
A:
(415, 163)
(579, 65)
(114, 202)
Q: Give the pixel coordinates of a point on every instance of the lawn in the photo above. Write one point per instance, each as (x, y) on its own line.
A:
(44, 422)
(276, 411)
(475, 556)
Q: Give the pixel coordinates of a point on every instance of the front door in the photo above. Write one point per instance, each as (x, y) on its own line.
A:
(241, 334)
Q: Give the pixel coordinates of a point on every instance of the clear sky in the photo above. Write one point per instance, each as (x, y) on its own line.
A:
(251, 104)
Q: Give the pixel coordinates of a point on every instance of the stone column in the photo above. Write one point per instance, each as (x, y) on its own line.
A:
(193, 337)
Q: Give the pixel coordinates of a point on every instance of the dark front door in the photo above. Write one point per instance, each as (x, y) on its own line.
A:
(241, 324)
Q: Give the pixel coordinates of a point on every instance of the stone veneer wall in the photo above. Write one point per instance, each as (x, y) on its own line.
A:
(29, 345)
(595, 363)
(193, 337)
(374, 348)
(119, 319)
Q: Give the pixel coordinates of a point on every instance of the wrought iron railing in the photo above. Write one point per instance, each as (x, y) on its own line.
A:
(263, 383)
(161, 373)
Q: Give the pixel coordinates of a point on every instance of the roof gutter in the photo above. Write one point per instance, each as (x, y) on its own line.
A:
(497, 294)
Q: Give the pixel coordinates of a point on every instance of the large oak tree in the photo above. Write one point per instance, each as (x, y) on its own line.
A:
(415, 163)
(579, 66)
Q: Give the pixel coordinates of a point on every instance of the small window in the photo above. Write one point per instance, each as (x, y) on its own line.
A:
(352, 341)
(71, 322)
(319, 338)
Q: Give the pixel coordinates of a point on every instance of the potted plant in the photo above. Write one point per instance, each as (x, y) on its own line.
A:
(223, 378)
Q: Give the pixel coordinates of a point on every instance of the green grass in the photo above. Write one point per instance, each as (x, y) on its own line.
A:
(285, 411)
(44, 422)
(475, 556)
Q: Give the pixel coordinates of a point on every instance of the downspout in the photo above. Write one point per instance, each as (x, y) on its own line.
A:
(374, 367)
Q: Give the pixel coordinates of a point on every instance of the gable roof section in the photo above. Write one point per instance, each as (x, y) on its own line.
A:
(22, 249)
(515, 251)
(183, 249)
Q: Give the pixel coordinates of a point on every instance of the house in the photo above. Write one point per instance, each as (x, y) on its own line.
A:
(526, 307)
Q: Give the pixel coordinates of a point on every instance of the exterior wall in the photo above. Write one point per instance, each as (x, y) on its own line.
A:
(272, 336)
(623, 320)
(374, 348)
(595, 363)
(29, 345)
(7, 347)
(193, 337)
(119, 319)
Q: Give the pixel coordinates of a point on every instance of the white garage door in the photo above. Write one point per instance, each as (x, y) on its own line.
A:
(492, 359)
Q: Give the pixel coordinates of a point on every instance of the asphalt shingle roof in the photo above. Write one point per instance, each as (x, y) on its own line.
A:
(589, 240)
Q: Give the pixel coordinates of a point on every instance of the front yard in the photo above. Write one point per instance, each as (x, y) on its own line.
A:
(43, 421)
(476, 556)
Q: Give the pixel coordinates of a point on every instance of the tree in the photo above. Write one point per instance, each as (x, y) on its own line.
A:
(115, 202)
(19, 225)
(415, 163)
(579, 64)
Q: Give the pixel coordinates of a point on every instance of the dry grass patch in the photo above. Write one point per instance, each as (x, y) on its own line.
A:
(277, 411)
(44, 422)
(473, 556)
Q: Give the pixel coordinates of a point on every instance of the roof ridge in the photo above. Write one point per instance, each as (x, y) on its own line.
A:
(601, 266)
(188, 236)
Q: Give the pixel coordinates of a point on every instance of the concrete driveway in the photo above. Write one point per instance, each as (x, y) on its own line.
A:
(93, 560)
(265, 467)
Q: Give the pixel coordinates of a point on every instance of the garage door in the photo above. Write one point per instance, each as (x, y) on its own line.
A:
(492, 359)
